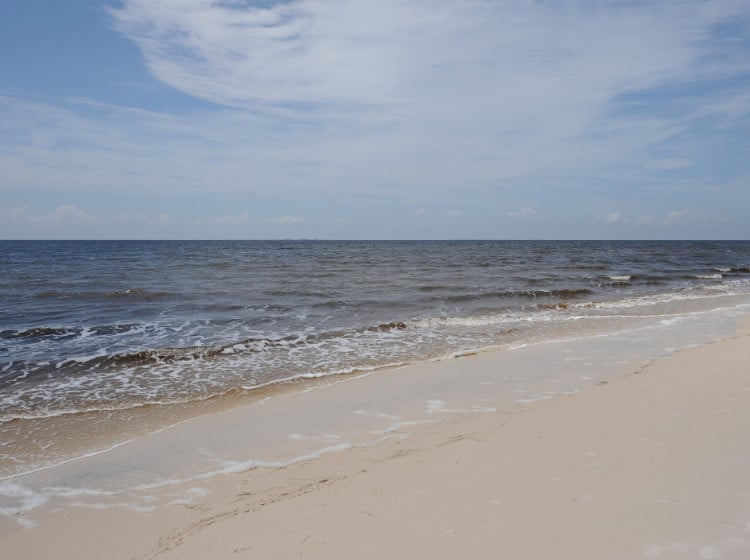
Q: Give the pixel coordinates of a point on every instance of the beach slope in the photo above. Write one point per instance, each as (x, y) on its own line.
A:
(652, 464)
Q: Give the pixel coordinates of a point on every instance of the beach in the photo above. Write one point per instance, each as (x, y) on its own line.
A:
(288, 279)
(649, 463)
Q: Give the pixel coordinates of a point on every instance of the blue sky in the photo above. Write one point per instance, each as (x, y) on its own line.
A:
(359, 119)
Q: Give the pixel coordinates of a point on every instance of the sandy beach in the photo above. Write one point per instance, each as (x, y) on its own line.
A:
(650, 464)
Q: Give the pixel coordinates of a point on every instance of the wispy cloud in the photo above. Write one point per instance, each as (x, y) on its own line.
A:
(479, 90)
(644, 219)
(673, 217)
(611, 218)
(66, 214)
(142, 218)
(398, 91)
(357, 51)
(444, 104)
(676, 216)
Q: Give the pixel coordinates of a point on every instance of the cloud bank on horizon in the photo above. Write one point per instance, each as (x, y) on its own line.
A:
(390, 119)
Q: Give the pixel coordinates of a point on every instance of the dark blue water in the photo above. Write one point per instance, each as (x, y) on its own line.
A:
(101, 325)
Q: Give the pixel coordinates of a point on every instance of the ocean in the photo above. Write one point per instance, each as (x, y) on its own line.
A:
(102, 342)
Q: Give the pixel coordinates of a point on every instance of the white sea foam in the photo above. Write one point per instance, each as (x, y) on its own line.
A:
(60, 463)
(546, 396)
(531, 400)
(233, 467)
(26, 523)
(189, 497)
(314, 437)
(23, 500)
(709, 276)
(133, 506)
(438, 407)
(476, 321)
(707, 293)
(623, 278)
(398, 426)
(435, 405)
(376, 414)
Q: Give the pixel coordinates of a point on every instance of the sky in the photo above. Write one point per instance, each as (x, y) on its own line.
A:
(362, 119)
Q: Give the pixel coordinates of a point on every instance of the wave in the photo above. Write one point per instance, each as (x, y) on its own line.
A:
(169, 386)
(43, 333)
(645, 279)
(40, 332)
(386, 327)
(434, 288)
(553, 300)
(585, 267)
(107, 406)
(173, 354)
(506, 294)
(696, 293)
(708, 276)
(562, 293)
(297, 293)
(559, 306)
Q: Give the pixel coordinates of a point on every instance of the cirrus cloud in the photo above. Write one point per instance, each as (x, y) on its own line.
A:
(361, 108)
(64, 214)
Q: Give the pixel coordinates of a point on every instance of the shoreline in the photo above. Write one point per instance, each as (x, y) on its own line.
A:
(600, 470)
(81, 434)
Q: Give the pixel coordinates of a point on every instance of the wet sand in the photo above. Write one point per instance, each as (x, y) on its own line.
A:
(650, 464)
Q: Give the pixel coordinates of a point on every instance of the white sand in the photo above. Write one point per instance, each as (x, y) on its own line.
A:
(650, 465)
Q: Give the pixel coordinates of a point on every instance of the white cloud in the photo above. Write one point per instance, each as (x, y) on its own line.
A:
(299, 51)
(672, 217)
(455, 213)
(522, 213)
(677, 216)
(341, 95)
(141, 218)
(611, 218)
(66, 214)
(645, 219)
(20, 214)
(445, 104)
(440, 92)
(318, 51)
